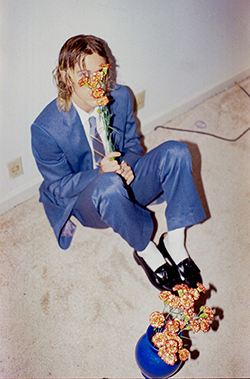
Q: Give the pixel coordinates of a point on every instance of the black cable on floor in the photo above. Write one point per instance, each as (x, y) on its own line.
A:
(204, 133)
(210, 134)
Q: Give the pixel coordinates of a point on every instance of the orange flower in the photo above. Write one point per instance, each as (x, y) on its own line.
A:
(93, 83)
(209, 312)
(182, 324)
(180, 287)
(105, 65)
(195, 326)
(168, 335)
(169, 359)
(201, 288)
(98, 92)
(83, 81)
(159, 339)
(187, 300)
(174, 302)
(164, 295)
(102, 101)
(171, 346)
(204, 323)
(195, 293)
(173, 336)
(177, 339)
(96, 78)
(189, 313)
(98, 75)
(183, 354)
(161, 351)
(173, 326)
(157, 319)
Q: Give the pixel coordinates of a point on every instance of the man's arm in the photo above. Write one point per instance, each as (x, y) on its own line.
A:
(126, 139)
(60, 180)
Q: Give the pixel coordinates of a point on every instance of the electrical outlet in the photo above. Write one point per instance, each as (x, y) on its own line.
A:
(15, 167)
(140, 99)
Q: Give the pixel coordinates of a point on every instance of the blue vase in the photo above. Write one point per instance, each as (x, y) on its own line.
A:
(148, 360)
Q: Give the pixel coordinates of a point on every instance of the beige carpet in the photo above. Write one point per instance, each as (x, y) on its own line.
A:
(79, 313)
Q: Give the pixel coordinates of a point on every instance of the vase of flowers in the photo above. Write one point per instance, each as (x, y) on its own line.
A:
(161, 351)
(148, 360)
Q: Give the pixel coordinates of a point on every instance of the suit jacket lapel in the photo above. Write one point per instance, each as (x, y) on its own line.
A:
(74, 142)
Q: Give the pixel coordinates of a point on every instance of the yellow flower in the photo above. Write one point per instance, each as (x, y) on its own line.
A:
(157, 319)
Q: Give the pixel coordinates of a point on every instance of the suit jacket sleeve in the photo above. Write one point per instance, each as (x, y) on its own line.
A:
(59, 177)
(126, 139)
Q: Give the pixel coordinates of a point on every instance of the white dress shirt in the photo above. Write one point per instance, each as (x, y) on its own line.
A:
(84, 116)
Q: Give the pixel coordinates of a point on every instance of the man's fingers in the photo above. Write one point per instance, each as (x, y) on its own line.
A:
(126, 172)
(113, 154)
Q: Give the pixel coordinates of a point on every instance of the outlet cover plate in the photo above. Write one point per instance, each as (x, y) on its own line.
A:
(15, 167)
(140, 99)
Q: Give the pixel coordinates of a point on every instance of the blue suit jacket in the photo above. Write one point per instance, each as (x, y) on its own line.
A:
(64, 158)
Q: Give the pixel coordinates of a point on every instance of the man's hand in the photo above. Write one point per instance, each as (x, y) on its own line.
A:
(126, 172)
(122, 169)
(108, 165)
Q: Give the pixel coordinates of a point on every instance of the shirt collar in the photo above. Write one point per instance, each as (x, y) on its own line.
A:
(85, 115)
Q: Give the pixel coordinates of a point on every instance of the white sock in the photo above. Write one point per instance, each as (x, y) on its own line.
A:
(152, 256)
(174, 243)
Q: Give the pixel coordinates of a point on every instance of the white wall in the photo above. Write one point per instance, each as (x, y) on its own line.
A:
(180, 52)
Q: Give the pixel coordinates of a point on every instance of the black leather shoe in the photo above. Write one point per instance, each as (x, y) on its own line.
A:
(187, 269)
(164, 278)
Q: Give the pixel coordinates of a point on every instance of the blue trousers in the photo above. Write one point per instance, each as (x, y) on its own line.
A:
(165, 174)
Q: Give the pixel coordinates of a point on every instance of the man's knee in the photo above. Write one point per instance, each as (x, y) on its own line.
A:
(108, 180)
(175, 153)
(107, 185)
(176, 148)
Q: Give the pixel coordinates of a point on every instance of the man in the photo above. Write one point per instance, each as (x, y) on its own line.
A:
(114, 192)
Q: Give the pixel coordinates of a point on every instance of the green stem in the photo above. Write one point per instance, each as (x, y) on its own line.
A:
(188, 338)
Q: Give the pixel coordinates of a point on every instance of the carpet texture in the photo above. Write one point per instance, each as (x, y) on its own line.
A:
(79, 313)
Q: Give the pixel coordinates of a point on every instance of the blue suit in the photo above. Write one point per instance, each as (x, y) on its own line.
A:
(72, 186)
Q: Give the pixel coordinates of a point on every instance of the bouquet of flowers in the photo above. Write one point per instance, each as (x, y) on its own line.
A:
(169, 327)
(97, 83)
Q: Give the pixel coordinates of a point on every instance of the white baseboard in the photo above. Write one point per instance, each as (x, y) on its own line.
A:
(19, 196)
(31, 189)
(189, 103)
